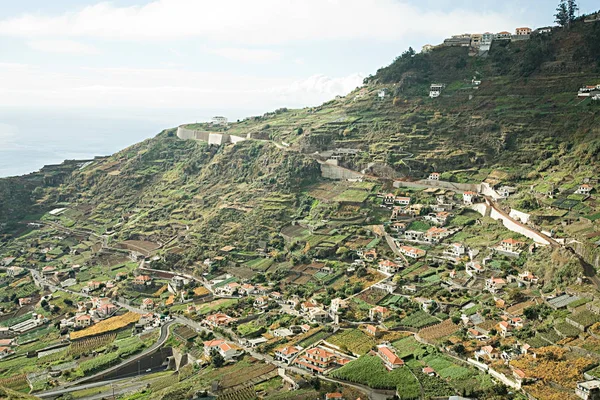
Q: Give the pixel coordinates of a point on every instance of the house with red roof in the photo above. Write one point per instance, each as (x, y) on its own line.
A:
(334, 396)
(428, 371)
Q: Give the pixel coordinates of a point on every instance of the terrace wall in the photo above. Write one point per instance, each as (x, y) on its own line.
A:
(335, 172)
(215, 138)
(425, 183)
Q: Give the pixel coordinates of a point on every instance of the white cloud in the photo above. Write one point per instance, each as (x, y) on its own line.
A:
(247, 55)
(65, 46)
(167, 88)
(258, 22)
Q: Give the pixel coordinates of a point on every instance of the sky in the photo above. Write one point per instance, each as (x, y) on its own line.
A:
(227, 56)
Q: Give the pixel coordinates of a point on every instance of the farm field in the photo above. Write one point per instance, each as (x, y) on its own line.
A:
(369, 370)
(354, 340)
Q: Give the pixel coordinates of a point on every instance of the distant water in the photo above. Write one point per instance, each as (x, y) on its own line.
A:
(30, 139)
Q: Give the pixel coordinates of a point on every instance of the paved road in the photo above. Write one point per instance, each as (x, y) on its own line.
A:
(81, 383)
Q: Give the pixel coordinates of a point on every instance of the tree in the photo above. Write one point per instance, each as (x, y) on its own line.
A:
(573, 7)
(562, 14)
(217, 359)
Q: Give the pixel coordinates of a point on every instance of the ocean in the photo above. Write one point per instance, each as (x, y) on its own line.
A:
(31, 138)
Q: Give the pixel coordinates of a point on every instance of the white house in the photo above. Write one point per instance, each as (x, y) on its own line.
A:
(225, 349)
(287, 353)
(470, 197)
(494, 284)
(412, 252)
(435, 90)
(474, 268)
(403, 201)
(218, 120)
(456, 250)
(426, 48)
(434, 176)
(584, 189)
(523, 31)
(388, 267)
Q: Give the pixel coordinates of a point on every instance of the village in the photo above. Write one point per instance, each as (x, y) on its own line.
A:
(430, 278)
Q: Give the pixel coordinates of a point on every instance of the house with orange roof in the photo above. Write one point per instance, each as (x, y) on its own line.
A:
(81, 321)
(316, 360)
(412, 252)
(436, 234)
(287, 353)
(261, 302)
(504, 35)
(6, 351)
(470, 197)
(106, 310)
(523, 31)
(492, 284)
(218, 320)
(379, 313)
(48, 270)
(584, 189)
(511, 245)
(371, 330)
(473, 268)
(390, 359)
(388, 267)
(369, 255)
(334, 396)
(434, 176)
(227, 350)
(142, 280)
(25, 301)
(428, 371)
(504, 328)
(147, 304)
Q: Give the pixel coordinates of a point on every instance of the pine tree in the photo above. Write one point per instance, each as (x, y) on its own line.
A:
(573, 7)
(562, 13)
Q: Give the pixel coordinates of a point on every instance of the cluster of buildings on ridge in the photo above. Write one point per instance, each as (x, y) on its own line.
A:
(482, 41)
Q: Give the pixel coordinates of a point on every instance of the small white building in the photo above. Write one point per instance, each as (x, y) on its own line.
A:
(218, 120)
(434, 176)
(435, 90)
(584, 189)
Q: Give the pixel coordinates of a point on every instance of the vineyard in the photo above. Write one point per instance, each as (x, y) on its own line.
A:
(160, 291)
(17, 382)
(98, 363)
(354, 340)
(243, 394)
(108, 325)
(254, 374)
(164, 382)
(369, 370)
(554, 364)
(438, 331)
(419, 319)
(85, 346)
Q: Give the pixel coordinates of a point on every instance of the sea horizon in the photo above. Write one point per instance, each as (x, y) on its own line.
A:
(33, 138)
